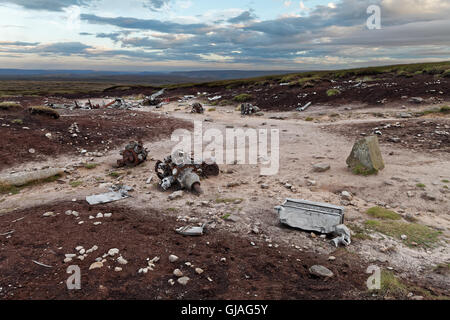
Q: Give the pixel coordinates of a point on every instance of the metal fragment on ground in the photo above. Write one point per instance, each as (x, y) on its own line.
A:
(191, 231)
(310, 216)
(114, 195)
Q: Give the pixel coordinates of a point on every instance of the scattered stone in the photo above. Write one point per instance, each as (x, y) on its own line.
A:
(199, 270)
(171, 282)
(428, 197)
(177, 273)
(113, 252)
(183, 281)
(96, 265)
(321, 167)
(70, 256)
(404, 237)
(173, 258)
(345, 195)
(176, 195)
(107, 215)
(331, 258)
(320, 271)
(117, 269)
(49, 214)
(67, 260)
(99, 215)
(121, 260)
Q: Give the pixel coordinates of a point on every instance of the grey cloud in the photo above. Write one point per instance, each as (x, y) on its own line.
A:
(156, 5)
(146, 24)
(243, 17)
(48, 5)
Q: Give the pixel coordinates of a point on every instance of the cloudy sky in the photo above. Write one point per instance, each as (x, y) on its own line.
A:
(166, 35)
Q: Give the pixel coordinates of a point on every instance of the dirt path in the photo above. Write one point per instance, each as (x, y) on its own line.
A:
(237, 194)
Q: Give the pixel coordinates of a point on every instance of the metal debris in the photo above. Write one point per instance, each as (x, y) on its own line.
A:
(191, 231)
(181, 171)
(344, 236)
(133, 155)
(310, 216)
(248, 109)
(197, 108)
(41, 264)
(117, 193)
(305, 107)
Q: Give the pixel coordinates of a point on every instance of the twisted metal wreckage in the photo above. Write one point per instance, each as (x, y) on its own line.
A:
(181, 171)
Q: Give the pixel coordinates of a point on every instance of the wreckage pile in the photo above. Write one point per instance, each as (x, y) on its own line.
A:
(197, 108)
(249, 109)
(182, 172)
(133, 155)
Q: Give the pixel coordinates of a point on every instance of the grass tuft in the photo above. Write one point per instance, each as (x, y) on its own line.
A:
(382, 213)
(419, 234)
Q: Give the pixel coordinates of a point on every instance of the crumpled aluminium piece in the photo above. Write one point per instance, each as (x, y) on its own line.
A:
(344, 236)
(191, 231)
(116, 193)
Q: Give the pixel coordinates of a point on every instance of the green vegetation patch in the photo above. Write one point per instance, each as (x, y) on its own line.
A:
(17, 121)
(416, 233)
(9, 105)
(76, 184)
(333, 92)
(228, 200)
(421, 186)
(244, 97)
(6, 188)
(45, 111)
(382, 213)
(363, 171)
(90, 166)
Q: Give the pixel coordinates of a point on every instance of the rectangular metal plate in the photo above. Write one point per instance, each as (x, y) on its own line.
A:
(310, 216)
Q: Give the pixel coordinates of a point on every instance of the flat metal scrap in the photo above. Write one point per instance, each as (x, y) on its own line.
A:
(191, 231)
(315, 216)
(116, 193)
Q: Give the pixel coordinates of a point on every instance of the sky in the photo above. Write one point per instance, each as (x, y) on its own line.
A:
(170, 35)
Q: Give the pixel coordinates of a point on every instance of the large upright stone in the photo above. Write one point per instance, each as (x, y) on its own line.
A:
(366, 156)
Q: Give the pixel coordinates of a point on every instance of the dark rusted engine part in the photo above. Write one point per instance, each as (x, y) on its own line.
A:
(197, 108)
(185, 175)
(133, 155)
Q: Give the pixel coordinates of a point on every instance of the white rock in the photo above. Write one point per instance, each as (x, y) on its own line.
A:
(79, 248)
(69, 212)
(107, 215)
(117, 269)
(199, 270)
(67, 260)
(404, 237)
(177, 273)
(173, 258)
(82, 251)
(97, 223)
(96, 265)
(70, 255)
(171, 282)
(81, 258)
(113, 252)
(176, 195)
(121, 260)
(75, 214)
(346, 195)
(91, 217)
(183, 281)
(99, 215)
